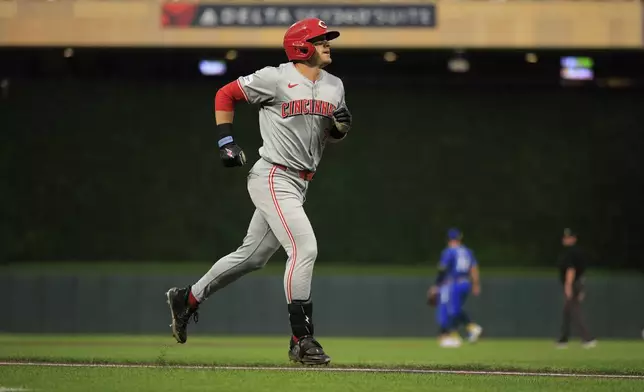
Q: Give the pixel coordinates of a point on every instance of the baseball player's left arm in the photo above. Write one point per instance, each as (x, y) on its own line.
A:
(341, 121)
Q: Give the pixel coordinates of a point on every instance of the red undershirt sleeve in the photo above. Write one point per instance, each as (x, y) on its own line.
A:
(228, 95)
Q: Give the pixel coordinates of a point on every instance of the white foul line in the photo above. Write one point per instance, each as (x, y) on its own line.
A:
(327, 369)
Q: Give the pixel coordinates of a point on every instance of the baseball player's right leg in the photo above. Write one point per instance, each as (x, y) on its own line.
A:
(257, 248)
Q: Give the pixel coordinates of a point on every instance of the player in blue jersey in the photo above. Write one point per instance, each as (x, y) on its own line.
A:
(458, 276)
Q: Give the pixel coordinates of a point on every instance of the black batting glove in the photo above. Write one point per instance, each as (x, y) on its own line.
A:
(230, 153)
(342, 115)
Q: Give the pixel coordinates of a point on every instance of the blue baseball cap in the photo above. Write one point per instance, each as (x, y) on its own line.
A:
(454, 234)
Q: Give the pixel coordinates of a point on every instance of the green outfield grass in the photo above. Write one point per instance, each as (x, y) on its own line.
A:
(618, 357)
(610, 357)
(274, 267)
(157, 380)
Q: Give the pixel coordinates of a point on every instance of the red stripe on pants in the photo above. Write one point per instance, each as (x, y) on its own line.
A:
(271, 185)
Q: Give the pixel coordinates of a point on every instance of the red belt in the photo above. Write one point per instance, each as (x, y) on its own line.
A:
(306, 175)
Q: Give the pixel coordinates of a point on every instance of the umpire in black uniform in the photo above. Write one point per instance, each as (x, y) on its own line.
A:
(573, 262)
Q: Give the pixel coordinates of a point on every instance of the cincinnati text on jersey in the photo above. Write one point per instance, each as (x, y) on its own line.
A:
(300, 107)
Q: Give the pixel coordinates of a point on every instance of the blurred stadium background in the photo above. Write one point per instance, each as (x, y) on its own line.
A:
(509, 119)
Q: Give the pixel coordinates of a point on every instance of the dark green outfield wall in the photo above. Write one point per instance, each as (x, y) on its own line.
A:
(129, 170)
(344, 306)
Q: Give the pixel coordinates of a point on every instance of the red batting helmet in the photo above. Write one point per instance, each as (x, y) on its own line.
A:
(297, 38)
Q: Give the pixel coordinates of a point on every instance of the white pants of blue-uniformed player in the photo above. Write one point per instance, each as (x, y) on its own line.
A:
(279, 220)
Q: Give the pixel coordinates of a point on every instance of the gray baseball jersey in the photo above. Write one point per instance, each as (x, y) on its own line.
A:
(295, 113)
(295, 117)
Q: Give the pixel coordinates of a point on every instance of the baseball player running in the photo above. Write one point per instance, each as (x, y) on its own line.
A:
(458, 275)
(301, 108)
